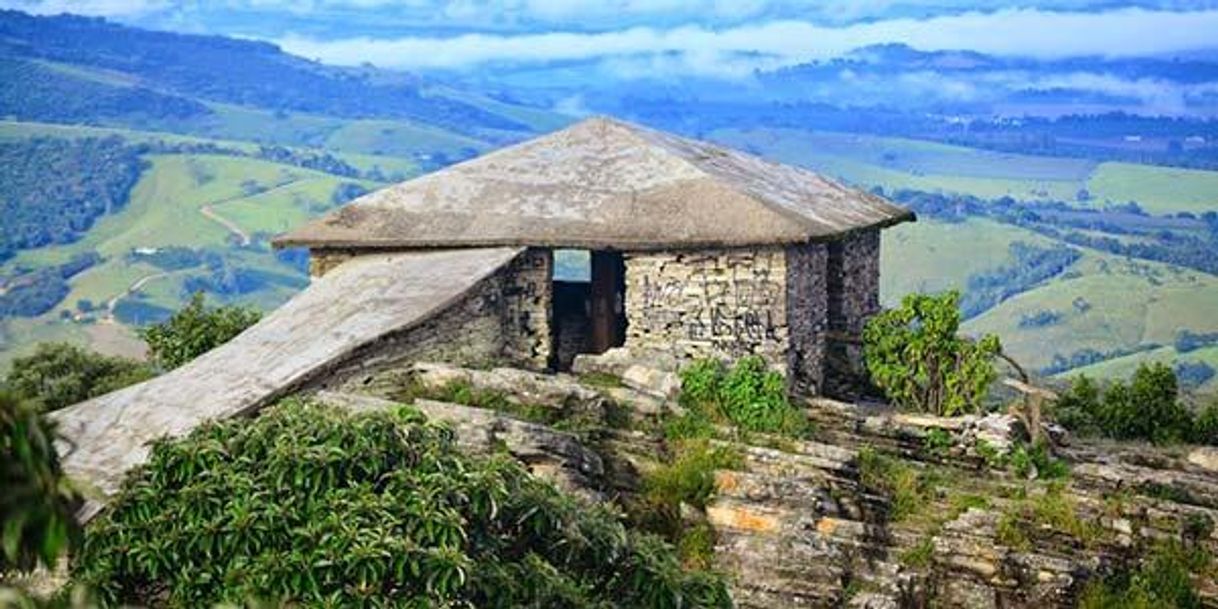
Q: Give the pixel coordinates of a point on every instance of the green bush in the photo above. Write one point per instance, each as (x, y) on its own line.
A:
(908, 489)
(1205, 429)
(1163, 580)
(748, 395)
(690, 477)
(58, 375)
(1147, 407)
(315, 507)
(37, 503)
(914, 354)
(195, 330)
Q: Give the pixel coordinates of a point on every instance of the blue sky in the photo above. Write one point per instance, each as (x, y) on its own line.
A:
(722, 37)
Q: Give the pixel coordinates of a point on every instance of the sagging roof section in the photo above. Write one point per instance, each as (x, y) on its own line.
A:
(603, 183)
(359, 302)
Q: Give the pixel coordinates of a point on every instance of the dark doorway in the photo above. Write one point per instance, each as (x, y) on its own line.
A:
(607, 297)
(588, 315)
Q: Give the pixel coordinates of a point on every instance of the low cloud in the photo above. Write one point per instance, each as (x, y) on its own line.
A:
(1021, 32)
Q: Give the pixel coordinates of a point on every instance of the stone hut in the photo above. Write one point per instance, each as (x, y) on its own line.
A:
(629, 237)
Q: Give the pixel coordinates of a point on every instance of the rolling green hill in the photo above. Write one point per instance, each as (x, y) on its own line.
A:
(895, 163)
(222, 206)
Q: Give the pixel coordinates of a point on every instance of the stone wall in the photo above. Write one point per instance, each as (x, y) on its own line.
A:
(807, 304)
(709, 303)
(503, 319)
(854, 296)
(527, 306)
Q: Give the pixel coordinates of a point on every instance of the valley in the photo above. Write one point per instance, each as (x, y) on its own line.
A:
(1128, 244)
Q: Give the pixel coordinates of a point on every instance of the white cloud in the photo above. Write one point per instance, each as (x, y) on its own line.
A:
(1022, 32)
(101, 8)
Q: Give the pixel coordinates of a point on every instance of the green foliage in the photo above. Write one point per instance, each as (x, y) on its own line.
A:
(920, 555)
(195, 330)
(908, 489)
(58, 375)
(696, 546)
(1078, 408)
(914, 353)
(690, 424)
(1026, 460)
(37, 521)
(1205, 429)
(686, 479)
(1054, 510)
(938, 442)
(748, 395)
(690, 477)
(315, 507)
(1162, 580)
(1146, 408)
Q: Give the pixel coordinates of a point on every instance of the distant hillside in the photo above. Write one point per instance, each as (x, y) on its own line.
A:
(234, 71)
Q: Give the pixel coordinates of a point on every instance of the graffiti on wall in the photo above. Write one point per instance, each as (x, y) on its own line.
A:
(733, 301)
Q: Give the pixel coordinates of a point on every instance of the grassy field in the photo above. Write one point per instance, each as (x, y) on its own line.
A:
(166, 209)
(932, 256)
(1106, 303)
(904, 163)
(1159, 190)
(17, 130)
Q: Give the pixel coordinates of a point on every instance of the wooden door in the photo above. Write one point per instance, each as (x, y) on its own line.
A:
(606, 301)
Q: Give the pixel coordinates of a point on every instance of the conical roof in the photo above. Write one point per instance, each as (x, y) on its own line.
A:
(604, 184)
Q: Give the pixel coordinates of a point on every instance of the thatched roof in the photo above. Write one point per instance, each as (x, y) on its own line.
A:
(320, 328)
(603, 183)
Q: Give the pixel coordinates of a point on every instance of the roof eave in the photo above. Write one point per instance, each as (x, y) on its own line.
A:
(302, 240)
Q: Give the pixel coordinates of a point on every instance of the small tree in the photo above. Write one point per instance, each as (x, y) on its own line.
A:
(58, 375)
(195, 330)
(37, 521)
(914, 353)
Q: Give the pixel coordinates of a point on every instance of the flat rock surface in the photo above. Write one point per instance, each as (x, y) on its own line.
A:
(358, 302)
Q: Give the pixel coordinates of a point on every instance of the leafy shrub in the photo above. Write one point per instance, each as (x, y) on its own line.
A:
(195, 330)
(37, 504)
(914, 354)
(58, 375)
(1053, 510)
(1163, 580)
(748, 395)
(687, 479)
(312, 506)
(1205, 429)
(690, 477)
(937, 443)
(1025, 460)
(908, 489)
(1146, 408)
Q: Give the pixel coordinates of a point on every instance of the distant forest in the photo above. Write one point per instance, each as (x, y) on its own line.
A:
(52, 190)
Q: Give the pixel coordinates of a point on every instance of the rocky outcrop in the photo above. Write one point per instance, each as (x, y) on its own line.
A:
(815, 524)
